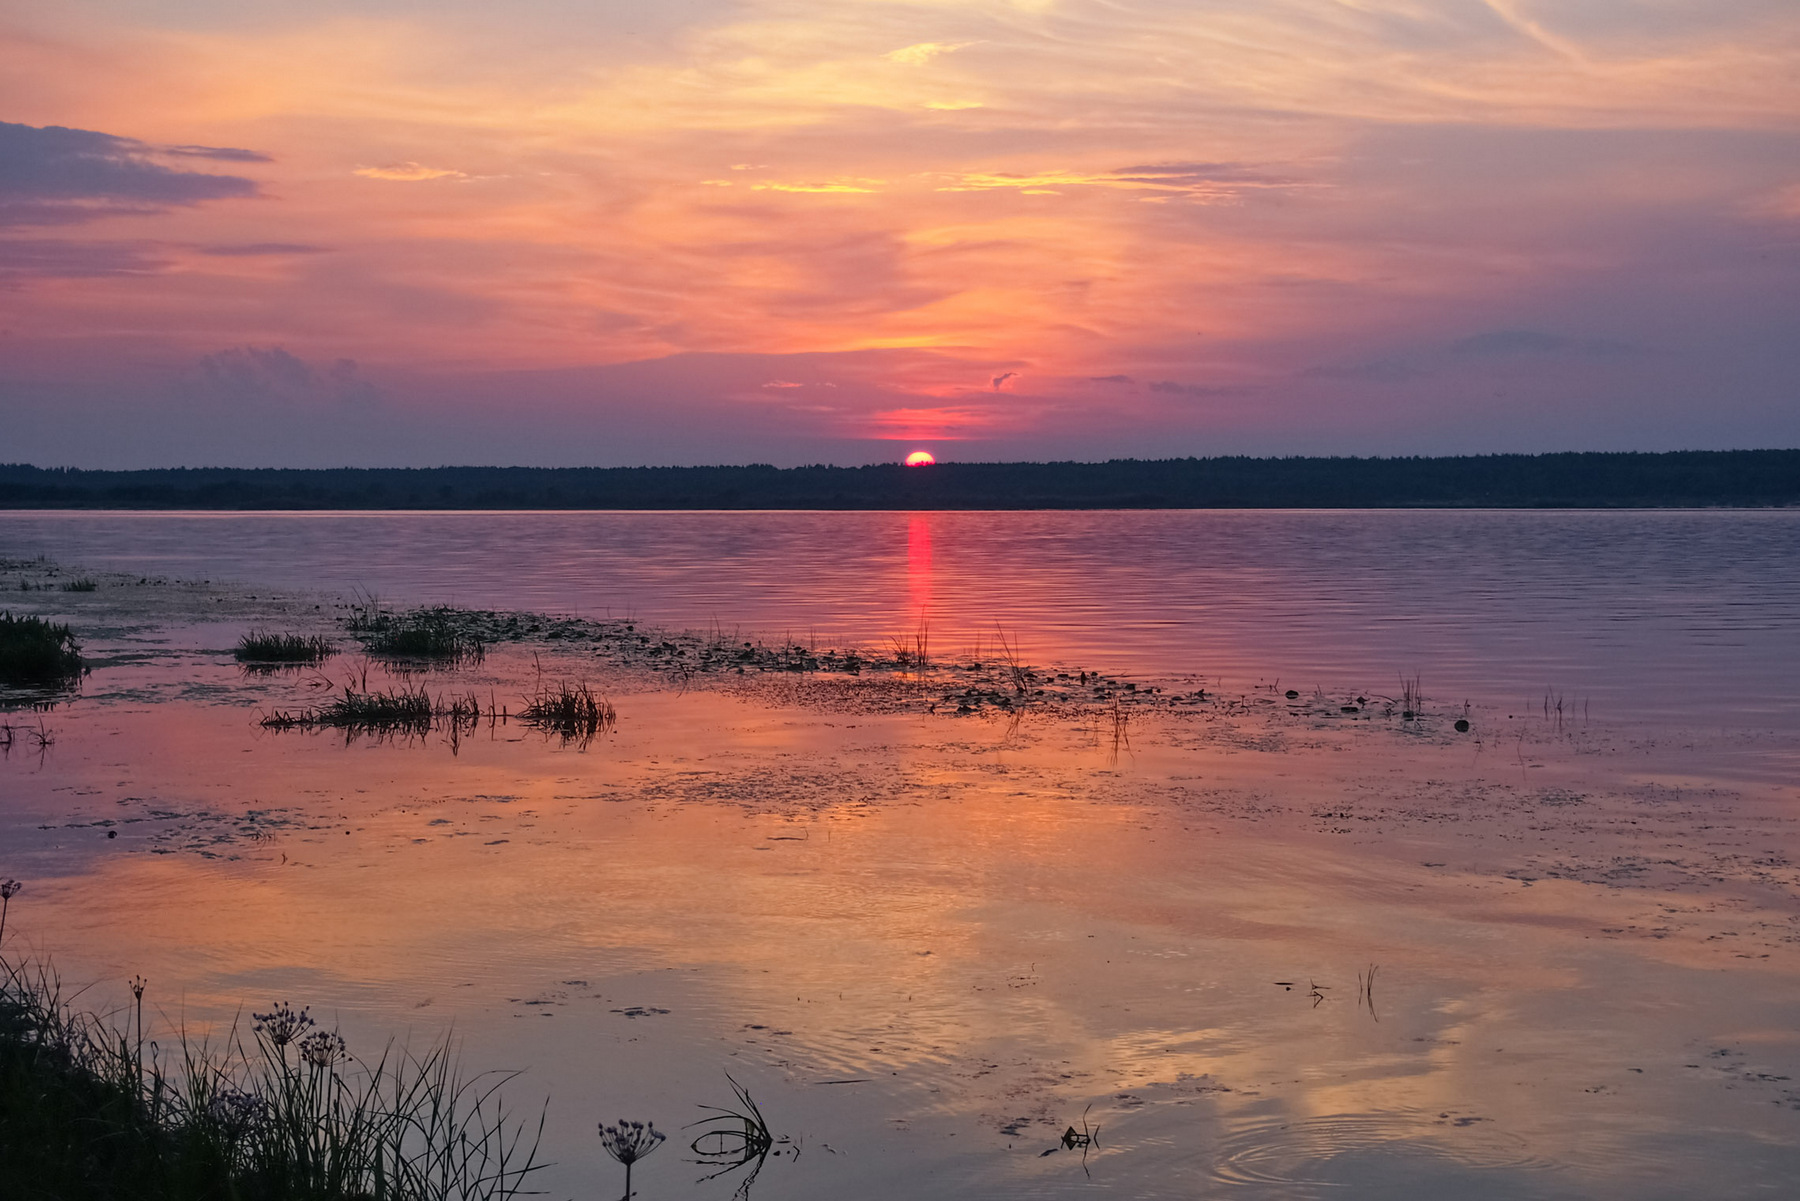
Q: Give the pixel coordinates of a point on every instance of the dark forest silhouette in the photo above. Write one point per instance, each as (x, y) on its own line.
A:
(1574, 480)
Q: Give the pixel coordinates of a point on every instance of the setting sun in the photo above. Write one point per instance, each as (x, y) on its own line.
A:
(920, 458)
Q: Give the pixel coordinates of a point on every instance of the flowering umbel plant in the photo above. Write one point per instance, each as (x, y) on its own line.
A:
(237, 1112)
(629, 1142)
(324, 1049)
(282, 1024)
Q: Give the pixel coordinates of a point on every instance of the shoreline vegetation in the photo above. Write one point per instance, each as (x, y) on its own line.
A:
(906, 671)
(39, 654)
(989, 677)
(99, 1106)
(1676, 479)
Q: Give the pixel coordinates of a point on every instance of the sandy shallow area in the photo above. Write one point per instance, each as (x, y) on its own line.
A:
(1266, 947)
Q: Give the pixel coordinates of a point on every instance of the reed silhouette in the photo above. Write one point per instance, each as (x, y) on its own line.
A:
(95, 1107)
(261, 648)
(35, 653)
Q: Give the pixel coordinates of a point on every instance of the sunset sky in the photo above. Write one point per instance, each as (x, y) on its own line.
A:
(792, 231)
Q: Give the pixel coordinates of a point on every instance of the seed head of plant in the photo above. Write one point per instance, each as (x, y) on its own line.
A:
(9, 888)
(324, 1048)
(282, 1024)
(630, 1141)
(138, 985)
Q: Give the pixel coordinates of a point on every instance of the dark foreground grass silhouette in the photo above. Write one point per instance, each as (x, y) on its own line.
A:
(94, 1109)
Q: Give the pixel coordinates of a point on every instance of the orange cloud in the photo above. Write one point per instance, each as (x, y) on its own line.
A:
(408, 172)
(923, 52)
(939, 425)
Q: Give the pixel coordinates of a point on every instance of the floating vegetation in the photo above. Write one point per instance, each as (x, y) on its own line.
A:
(35, 653)
(572, 711)
(258, 649)
(79, 584)
(97, 1106)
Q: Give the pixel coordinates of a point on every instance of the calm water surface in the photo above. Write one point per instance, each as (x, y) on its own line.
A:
(929, 944)
(1667, 615)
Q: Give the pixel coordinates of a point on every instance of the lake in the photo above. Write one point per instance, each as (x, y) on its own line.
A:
(1647, 614)
(1257, 945)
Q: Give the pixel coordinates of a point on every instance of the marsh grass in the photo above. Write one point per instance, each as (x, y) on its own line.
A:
(1016, 672)
(398, 710)
(440, 635)
(79, 584)
(574, 712)
(737, 1136)
(912, 653)
(260, 648)
(93, 1109)
(1121, 729)
(35, 653)
(1412, 698)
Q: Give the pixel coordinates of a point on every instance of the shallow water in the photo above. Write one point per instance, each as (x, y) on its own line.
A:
(1650, 616)
(930, 944)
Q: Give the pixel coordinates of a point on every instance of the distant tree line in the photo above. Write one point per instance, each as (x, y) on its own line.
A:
(1586, 480)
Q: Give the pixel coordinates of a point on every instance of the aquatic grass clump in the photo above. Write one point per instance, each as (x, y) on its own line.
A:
(396, 707)
(261, 648)
(441, 635)
(404, 710)
(93, 1107)
(735, 1137)
(37, 653)
(574, 711)
(80, 584)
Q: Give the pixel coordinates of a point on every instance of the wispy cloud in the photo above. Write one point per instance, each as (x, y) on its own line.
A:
(408, 172)
(228, 154)
(273, 375)
(1195, 181)
(947, 424)
(1176, 388)
(923, 52)
(53, 176)
(1513, 342)
(52, 258)
(829, 185)
(260, 249)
